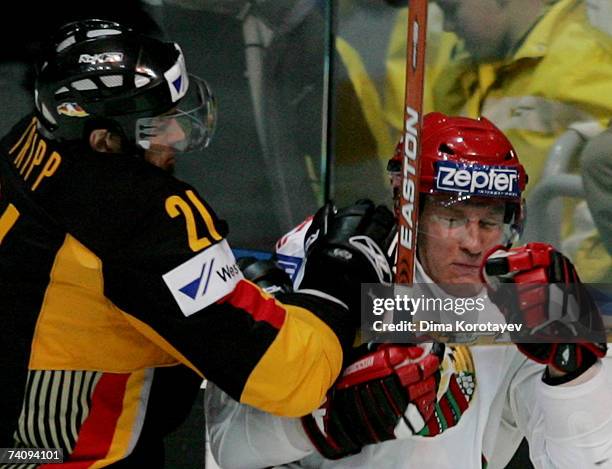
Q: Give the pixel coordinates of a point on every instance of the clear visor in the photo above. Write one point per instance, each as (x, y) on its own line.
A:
(477, 223)
(188, 127)
(463, 217)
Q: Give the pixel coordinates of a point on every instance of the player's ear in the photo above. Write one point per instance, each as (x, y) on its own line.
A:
(97, 140)
(104, 141)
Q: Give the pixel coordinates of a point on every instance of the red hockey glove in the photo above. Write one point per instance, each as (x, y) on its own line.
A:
(551, 301)
(388, 393)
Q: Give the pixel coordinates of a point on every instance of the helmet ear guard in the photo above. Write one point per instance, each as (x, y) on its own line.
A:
(99, 72)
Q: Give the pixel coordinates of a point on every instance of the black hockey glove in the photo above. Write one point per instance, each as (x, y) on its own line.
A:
(387, 393)
(265, 274)
(348, 247)
(546, 295)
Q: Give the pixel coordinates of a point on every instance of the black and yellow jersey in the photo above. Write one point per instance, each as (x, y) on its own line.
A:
(119, 292)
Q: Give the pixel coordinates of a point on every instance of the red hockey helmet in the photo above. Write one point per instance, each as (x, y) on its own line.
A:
(465, 158)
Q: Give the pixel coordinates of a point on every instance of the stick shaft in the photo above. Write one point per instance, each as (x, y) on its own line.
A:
(413, 116)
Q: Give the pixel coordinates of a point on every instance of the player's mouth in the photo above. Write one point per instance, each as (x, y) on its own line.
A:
(467, 270)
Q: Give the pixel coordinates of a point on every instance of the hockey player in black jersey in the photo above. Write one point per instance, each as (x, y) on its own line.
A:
(119, 291)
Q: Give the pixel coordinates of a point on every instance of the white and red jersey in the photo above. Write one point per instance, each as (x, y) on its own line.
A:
(289, 250)
(567, 426)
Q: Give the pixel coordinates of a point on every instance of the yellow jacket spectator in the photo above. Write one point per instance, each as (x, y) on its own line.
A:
(531, 66)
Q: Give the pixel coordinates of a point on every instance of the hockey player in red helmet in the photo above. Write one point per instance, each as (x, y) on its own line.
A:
(467, 159)
(454, 407)
(469, 171)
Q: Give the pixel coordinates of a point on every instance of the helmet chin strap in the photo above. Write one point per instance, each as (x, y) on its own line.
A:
(516, 232)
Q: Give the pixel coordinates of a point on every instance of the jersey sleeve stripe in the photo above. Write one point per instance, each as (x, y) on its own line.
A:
(261, 306)
(131, 420)
(97, 432)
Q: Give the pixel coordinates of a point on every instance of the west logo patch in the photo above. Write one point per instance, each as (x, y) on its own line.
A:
(199, 286)
(203, 279)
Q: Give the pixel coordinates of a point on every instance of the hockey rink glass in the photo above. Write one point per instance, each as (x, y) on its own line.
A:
(189, 127)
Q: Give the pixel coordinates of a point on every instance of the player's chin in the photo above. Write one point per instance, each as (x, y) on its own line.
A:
(162, 157)
(464, 288)
(464, 285)
(169, 163)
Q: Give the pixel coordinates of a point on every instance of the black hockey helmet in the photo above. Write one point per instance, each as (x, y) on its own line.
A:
(100, 74)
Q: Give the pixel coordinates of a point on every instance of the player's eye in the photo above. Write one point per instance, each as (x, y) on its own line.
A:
(490, 225)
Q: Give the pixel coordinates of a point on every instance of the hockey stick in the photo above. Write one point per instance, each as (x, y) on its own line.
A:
(413, 110)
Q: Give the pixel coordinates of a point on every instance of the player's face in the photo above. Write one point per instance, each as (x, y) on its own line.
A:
(163, 159)
(480, 23)
(454, 237)
(161, 152)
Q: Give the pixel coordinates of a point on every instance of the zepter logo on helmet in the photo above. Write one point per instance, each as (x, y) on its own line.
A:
(100, 74)
(466, 160)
